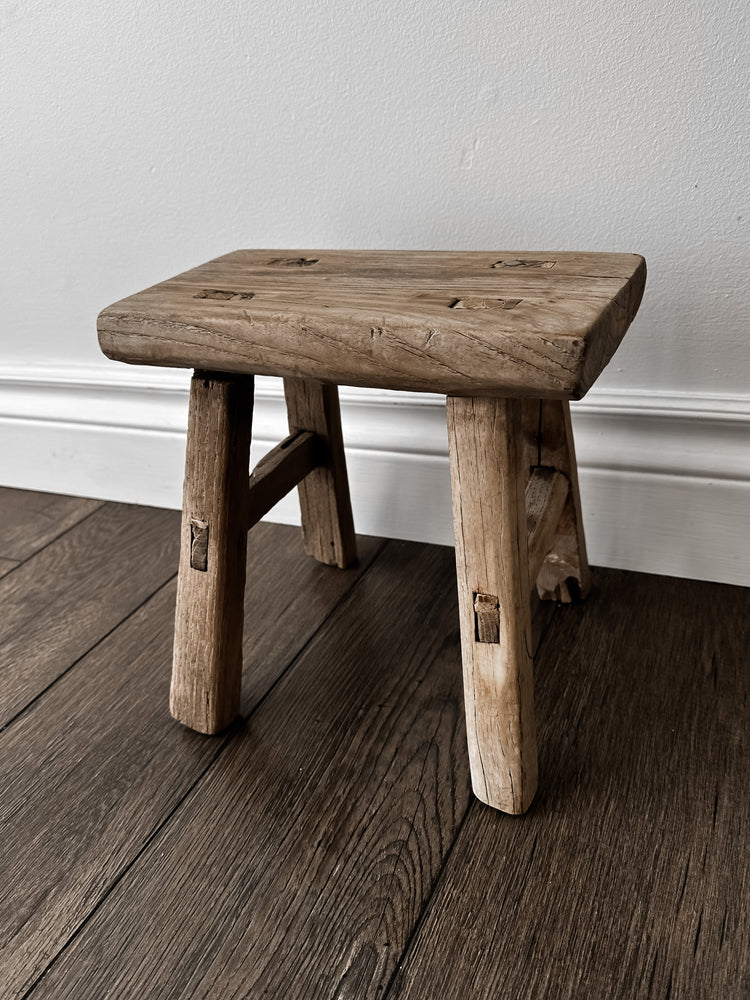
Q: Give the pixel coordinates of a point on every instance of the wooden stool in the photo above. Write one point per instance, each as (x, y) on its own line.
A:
(508, 337)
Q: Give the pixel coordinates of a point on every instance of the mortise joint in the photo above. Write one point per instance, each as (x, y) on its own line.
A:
(477, 303)
(546, 264)
(293, 261)
(486, 618)
(223, 294)
(198, 544)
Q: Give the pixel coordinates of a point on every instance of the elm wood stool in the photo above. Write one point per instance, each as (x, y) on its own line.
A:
(508, 337)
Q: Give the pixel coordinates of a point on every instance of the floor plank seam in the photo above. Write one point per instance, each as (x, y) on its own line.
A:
(327, 842)
(30, 704)
(400, 851)
(225, 741)
(544, 631)
(334, 608)
(65, 531)
(403, 958)
(473, 804)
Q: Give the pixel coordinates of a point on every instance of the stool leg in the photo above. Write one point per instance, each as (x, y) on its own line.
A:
(207, 663)
(565, 574)
(327, 524)
(488, 479)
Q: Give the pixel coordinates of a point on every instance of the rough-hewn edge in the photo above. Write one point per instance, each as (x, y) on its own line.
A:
(608, 333)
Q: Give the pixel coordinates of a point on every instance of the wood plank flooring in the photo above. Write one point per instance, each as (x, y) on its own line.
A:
(328, 844)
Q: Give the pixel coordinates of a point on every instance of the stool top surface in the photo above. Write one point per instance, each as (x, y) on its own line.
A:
(462, 323)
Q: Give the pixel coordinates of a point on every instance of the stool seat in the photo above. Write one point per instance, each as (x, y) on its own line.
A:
(533, 324)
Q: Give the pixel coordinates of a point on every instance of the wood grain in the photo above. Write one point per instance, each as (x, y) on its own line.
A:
(30, 520)
(6, 565)
(207, 661)
(281, 470)
(327, 523)
(388, 319)
(489, 517)
(564, 575)
(546, 494)
(317, 837)
(54, 611)
(628, 879)
(96, 765)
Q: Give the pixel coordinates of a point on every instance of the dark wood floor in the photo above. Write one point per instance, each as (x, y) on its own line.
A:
(328, 846)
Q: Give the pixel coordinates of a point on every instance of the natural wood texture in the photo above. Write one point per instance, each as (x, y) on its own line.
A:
(29, 521)
(88, 774)
(52, 614)
(529, 442)
(207, 663)
(546, 493)
(564, 575)
(95, 766)
(6, 565)
(281, 470)
(489, 516)
(314, 842)
(328, 852)
(390, 319)
(486, 618)
(628, 879)
(198, 544)
(327, 524)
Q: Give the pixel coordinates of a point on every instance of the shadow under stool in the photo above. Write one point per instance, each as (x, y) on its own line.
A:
(509, 338)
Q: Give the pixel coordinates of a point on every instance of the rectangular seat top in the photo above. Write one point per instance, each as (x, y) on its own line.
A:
(461, 323)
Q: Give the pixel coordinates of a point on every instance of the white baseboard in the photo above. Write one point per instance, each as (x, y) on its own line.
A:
(665, 479)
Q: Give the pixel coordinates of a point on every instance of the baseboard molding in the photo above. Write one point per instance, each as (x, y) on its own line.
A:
(665, 479)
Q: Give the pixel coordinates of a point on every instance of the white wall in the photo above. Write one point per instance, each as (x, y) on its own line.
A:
(140, 139)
